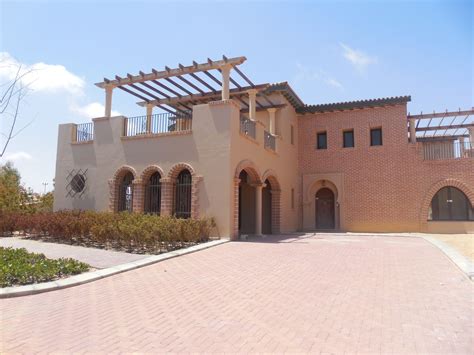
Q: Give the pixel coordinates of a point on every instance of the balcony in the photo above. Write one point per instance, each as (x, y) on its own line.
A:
(270, 142)
(157, 124)
(83, 133)
(247, 127)
(447, 149)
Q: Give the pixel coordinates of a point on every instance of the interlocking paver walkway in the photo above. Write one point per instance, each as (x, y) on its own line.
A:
(322, 293)
(97, 258)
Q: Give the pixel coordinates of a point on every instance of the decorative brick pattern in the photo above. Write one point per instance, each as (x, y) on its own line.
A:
(170, 195)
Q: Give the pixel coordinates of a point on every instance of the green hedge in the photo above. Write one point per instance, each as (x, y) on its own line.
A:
(123, 231)
(19, 267)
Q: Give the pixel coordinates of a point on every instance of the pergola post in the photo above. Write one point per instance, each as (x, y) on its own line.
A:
(149, 113)
(225, 70)
(258, 208)
(471, 135)
(108, 100)
(412, 123)
(271, 113)
(252, 104)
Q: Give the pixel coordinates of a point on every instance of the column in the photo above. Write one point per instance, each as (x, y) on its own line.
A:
(138, 196)
(258, 208)
(108, 100)
(225, 70)
(471, 135)
(252, 104)
(462, 145)
(166, 197)
(149, 113)
(412, 123)
(271, 113)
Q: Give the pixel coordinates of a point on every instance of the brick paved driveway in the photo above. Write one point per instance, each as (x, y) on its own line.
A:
(315, 294)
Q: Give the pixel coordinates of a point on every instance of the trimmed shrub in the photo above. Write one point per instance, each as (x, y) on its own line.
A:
(131, 232)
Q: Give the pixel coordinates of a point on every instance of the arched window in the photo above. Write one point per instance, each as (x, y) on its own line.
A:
(450, 204)
(125, 201)
(182, 202)
(153, 194)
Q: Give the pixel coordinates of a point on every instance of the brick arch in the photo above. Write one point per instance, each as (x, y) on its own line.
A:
(168, 186)
(438, 186)
(177, 168)
(251, 169)
(276, 199)
(149, 171)
(114, 185)
(271, 176)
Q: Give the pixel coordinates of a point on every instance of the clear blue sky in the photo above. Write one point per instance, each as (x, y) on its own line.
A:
(327, 51)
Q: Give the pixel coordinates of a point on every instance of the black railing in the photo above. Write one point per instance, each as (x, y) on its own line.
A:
(440, 150)
(270, 142)
(247, 127)
(84, 132)
(156, 124)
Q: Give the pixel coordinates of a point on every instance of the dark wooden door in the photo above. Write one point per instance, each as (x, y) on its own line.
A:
(325, 217)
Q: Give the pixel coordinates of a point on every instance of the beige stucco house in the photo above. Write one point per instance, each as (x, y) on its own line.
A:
(260, 161)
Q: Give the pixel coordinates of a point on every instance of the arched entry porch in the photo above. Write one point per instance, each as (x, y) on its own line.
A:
(257, 203)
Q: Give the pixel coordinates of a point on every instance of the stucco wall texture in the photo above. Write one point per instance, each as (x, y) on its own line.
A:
(378, 189)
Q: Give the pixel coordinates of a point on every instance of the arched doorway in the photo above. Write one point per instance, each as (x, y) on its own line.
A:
(450, 204)
(325, 211)
(247, 221)
(267, 208)
(125, 198)
(153, 194)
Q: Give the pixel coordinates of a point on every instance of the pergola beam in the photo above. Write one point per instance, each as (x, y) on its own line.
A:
(425, 116)
(155, 75)
(435, 128)
(199, 97)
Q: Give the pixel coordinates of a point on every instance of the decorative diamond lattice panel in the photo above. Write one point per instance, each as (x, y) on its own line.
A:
(76, 183)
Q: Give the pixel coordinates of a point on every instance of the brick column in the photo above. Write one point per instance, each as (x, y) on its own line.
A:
(138, 196)
(195, 196)
(112, 195)
(166, 196)
(258, 208)
(276, 194)
(235, 227)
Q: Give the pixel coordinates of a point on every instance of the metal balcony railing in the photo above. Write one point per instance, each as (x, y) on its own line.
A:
(156, 124)
(269, 139)
(441, 150)
(247, 127)
(84, 132)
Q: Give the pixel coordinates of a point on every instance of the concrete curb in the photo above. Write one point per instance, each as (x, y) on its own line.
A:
(17, 291)
(459, 260)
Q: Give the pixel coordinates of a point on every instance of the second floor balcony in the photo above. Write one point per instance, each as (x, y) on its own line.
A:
(448, 149)
(161, 123)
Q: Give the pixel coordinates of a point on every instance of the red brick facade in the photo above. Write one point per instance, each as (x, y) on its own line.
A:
(388, 187)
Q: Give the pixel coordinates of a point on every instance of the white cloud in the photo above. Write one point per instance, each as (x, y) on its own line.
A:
(92, 110)
(41, 76)
(13, 157)
(357, 58)
(305, 73)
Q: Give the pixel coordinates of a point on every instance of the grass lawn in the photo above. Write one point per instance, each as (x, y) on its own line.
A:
(19, 267)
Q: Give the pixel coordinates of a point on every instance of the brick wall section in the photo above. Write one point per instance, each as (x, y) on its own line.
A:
(386, 187)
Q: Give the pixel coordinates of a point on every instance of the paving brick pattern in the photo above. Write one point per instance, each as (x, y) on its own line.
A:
(319, 293)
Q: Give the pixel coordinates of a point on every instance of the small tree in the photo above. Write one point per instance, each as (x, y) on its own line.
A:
(11, 192)
(12, 92)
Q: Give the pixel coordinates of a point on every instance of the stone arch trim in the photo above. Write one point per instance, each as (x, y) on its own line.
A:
(114, 184)
(168, 186)
(272, 177)
(438, 186)
(177, 168)
(251, 168)
(149, 171)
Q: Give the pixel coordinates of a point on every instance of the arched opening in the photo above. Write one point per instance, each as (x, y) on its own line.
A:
(183, 189)
(450, 204)
(267, 208)
(125, 195)
(153, 194)
(325, 209)
(247, 222)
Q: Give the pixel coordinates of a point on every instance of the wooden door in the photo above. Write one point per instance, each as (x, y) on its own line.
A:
(325, 216)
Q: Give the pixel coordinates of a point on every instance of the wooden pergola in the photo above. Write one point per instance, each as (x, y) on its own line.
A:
(442, 125)
(177, 90)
